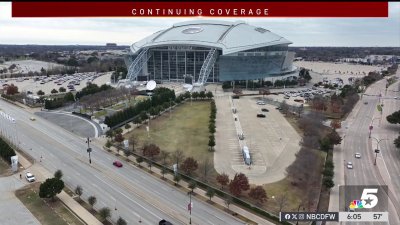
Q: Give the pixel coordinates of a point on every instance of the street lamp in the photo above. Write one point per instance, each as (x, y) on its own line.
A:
(190, 207)
(371, 125)
(148, 125)
(89, 149)
(377, 147)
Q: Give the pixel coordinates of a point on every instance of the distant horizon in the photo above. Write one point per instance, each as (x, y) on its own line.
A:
(124, 45)
(302, 32)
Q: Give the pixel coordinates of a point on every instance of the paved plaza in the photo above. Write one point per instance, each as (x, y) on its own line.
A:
(272, 141)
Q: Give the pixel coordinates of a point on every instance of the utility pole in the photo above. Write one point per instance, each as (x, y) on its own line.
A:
(377, 147)
(89, 149)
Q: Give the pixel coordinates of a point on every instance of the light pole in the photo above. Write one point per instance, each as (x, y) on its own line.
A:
(89, 149)
(371, 125)
(148, 126)
(190, 207)
(377, 147)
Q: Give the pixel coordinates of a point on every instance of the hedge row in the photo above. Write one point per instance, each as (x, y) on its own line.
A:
(6, 151)
(217, 191)
(160, 96)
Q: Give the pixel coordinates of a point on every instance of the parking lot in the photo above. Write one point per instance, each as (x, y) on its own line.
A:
(74, 82)
(272, 141)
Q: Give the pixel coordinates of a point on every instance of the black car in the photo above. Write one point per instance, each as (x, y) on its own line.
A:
(261, 115)
(264, 110)
(164, 222)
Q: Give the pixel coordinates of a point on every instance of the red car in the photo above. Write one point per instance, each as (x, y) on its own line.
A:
(117, 163)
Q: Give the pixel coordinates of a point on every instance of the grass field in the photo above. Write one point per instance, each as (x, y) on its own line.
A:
(5, 169)
(57, 214)
(186, 129)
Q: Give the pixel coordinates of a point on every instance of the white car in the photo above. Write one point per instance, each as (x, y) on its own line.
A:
(349, 165)
(260, 103)
(357, 155)
(30, 177)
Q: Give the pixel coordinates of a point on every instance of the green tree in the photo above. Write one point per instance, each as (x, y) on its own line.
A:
(209, 95)
(397, 142)
(328, 182)
(394, 118)
(139, 160)
(202, 95)
(54, 91)
(211, 142)
(58, 174)
(192, 185)
(177, 178)
(62, 89)
(69, 97)
(50, 188)
(40, 92)
(195, 95)
(104, 213)
(92, 200)
(121, 221)
(127, 126)
(210, 193)
(328, 172)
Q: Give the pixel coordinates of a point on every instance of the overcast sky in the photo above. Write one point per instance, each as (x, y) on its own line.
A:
(125, 31)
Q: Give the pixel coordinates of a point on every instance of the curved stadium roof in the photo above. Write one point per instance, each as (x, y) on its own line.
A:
(229, 36)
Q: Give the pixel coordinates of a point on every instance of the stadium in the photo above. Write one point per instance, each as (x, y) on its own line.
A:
(204, 51)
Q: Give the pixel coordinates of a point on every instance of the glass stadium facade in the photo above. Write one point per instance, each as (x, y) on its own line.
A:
(186, 53)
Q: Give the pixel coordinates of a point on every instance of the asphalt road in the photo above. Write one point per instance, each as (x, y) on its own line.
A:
(356, 140)
(136, 195)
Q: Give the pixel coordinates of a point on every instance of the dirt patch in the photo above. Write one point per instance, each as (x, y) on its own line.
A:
(46, 211)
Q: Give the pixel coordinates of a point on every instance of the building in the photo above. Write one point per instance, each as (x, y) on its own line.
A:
(111, 45)
(209, 51)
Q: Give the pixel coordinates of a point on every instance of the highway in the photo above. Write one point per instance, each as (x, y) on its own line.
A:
(137, 196)
(356, 140)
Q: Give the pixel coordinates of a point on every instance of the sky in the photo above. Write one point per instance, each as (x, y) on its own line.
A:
(348, 32)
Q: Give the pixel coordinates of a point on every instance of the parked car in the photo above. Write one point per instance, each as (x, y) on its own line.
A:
(117, 163)
(261, 103)
(29, 177)
(357, 155)
(32, 118)
(264, 110)
(349, 165)
(261, 115)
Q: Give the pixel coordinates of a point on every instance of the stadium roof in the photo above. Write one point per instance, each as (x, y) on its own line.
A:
(229, 36)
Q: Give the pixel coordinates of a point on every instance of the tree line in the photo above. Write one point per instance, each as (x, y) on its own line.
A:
(6, 152)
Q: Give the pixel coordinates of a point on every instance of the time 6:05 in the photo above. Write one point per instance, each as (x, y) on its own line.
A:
(355, 216)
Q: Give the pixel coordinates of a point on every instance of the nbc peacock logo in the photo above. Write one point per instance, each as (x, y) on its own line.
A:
(356, 204)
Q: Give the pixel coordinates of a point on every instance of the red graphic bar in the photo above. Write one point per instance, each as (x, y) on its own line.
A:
(190, 9)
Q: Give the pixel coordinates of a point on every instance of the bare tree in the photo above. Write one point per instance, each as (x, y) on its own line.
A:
(178, 156)
(205, 167)
(164, 156)
(282, 200)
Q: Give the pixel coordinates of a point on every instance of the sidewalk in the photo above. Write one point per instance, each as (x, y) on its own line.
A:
(42, 174)
(202, 193)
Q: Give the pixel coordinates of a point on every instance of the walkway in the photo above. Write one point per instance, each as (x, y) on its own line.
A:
(41, 175)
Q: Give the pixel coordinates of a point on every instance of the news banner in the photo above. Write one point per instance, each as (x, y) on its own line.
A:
(357, 203)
